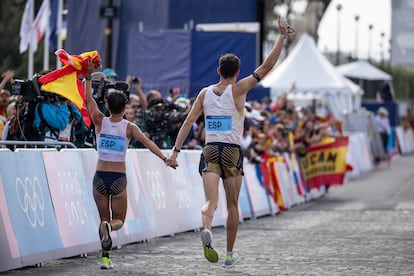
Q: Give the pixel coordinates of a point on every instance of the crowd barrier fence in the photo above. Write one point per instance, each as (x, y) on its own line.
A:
(405, 139)
(47, 210)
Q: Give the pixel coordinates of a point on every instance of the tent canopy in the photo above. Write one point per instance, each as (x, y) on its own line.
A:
(362, 69)
(314, 76)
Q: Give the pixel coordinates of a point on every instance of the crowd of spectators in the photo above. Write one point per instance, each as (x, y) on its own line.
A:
(271, 127)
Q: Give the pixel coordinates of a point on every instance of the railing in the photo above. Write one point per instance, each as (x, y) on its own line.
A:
(37, 144)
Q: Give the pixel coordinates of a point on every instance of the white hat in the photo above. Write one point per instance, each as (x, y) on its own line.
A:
(382, 110)
(97, 76)
(255, 114)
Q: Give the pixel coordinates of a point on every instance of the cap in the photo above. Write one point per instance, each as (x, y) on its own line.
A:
(382, 110)
(256, 115)
(109, 72)
(97, 76)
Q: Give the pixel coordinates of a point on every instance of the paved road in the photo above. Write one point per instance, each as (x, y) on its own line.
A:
(365, 227)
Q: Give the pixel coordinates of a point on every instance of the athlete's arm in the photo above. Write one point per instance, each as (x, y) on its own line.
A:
(96, 114)
(149, 144)
(195, 112)
(247, 83)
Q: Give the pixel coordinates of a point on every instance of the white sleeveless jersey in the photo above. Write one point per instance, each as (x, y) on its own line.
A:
(223, 123)
(112, 142)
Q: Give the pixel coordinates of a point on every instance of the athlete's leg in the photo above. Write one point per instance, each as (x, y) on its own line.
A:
(232, 187)
(210, 182)
(102, 203)
(119, 208)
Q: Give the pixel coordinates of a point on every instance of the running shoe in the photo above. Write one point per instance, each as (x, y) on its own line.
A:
(209, 252)
(106, 241)
(231, 260)
(106, 263)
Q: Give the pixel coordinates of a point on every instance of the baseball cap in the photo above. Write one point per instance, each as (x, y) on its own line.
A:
(109, 72)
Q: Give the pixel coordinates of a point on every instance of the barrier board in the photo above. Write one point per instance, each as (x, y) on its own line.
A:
(30, 210)
(75, 208)
(405, 139)
(259, 199)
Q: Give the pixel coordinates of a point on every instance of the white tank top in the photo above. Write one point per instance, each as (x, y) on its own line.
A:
(223, 123)
(112, 142)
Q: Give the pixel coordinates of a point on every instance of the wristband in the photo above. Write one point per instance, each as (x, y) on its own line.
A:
(88, 77)
(256, 76)
(176, 150)
(164, 159)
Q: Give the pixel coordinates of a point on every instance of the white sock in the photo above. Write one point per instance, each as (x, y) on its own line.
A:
(230, 253)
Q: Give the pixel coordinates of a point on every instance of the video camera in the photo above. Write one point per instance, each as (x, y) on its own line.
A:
(161, 120)
(101, 87)
(28, 89)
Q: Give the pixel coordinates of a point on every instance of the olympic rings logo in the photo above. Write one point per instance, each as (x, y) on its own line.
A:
(182, 195)
(70, 190)
(31, 200)
(156, 189)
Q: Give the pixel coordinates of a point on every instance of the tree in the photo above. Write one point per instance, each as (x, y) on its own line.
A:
(11, 12)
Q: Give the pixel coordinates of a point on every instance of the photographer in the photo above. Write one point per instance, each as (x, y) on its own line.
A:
(136, 84)
(55, 119)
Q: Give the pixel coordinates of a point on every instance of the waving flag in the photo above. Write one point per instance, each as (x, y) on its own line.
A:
(40, 24)
(65, 80)
(25, 28)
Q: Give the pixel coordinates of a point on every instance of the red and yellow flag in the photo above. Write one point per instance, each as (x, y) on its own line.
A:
(65, 80)
(325, 163)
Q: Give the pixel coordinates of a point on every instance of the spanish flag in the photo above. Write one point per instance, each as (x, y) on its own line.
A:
(66, 82)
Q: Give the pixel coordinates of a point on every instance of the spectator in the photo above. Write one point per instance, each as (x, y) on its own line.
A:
(136, 84)
(10, 112)
(383, 126)
(174, 94)
(153, 97)
(110, 74)
(280, 143)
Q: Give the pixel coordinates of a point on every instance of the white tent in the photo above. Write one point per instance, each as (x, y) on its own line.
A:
(362, 69)
(314, 76)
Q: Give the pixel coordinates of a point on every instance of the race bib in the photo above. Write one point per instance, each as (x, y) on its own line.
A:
(64, 134)
(111, 144)
(221, 124)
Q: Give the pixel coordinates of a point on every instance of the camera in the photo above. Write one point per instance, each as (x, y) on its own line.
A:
(135, 80)
(102, 87)
(161, 121)
(27, 89)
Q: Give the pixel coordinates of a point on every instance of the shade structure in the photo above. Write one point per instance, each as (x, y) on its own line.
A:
(314, 76)
(363, 70)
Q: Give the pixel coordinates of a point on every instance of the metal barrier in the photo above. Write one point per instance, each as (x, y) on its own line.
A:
(37, 144)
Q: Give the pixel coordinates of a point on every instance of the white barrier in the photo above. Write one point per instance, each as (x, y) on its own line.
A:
(47, 209)
(405, 139)
(359, 155)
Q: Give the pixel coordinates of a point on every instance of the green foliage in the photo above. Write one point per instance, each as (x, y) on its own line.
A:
(10, 58)
(403, 81)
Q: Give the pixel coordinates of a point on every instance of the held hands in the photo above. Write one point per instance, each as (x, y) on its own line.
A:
(284, 27)
(171, 162)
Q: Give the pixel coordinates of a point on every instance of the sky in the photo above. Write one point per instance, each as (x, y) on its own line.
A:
(375, 12)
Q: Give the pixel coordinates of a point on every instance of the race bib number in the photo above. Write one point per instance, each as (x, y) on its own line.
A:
(221, 124)
(111, 144)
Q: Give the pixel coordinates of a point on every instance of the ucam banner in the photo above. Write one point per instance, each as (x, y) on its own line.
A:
(325, 163)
